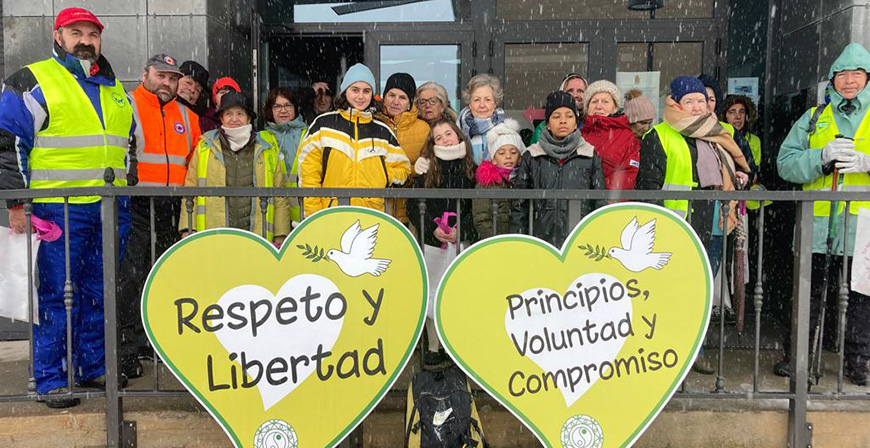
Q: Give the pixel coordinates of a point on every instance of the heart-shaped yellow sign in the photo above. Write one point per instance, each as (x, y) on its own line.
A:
(587, 344)
(290, 347)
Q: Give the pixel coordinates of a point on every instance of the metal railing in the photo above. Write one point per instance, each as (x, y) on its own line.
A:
(122, 434)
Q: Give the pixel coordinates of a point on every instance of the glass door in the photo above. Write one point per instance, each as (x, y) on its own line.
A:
(444, 57)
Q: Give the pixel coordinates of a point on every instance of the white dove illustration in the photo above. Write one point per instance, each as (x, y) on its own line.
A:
(636, 252)
(355, 256)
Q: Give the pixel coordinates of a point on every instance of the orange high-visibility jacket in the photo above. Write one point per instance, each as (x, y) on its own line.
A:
(165, 138)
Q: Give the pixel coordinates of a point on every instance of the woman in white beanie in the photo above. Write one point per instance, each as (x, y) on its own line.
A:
(609, 132)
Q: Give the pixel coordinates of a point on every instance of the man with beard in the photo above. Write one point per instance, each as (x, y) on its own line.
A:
(66, 122)
(574, 85)
(166, 134)
(193, 82)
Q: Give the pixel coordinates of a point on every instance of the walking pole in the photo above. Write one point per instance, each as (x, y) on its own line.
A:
(818, 337)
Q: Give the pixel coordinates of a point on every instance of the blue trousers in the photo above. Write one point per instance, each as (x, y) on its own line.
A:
(86, 274)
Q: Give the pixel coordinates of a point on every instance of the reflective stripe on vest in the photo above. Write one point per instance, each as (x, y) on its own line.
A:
(77, 148)
(678, 174)
(826, 130)
(153, 158)
(202, 181)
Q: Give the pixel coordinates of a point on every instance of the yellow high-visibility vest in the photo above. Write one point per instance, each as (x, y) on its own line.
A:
(270, 154)
(825, 131)
(77, 150)
(678, 174)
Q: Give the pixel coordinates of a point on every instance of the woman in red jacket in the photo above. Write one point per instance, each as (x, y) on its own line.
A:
(610, 133)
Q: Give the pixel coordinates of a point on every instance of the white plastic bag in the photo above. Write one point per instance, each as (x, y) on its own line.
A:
(13, 275)
(437, 262)
(861, 259)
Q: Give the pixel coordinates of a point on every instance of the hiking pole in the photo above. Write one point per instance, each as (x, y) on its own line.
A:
(819, 337)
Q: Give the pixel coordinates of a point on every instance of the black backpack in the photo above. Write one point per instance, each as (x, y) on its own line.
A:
(441, 412)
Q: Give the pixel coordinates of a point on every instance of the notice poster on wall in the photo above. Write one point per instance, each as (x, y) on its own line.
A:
(744, 86)
(646, 82)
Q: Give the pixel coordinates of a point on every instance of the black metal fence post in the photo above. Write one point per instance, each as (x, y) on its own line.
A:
(800, 327)
(116, 435)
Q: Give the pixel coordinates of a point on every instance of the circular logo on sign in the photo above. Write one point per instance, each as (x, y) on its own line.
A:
(275, 434)
(582, 431)
(179, 128)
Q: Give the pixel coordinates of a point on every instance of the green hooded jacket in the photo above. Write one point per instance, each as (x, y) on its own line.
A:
(800, 164)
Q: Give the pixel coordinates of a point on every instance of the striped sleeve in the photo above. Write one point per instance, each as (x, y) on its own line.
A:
(309, 163)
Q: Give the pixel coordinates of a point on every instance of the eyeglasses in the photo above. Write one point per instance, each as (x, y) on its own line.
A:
(282, 106)
(431, 102)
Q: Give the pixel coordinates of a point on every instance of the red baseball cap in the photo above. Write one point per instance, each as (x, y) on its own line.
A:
(73, 15)
(224, 82)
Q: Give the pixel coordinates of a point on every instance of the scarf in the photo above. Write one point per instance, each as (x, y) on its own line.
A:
(508, 174)
(454, 152)
(704, 127)
(708, 129)
(238, 137)
(478, 127)
(288, 136)
(561, 149)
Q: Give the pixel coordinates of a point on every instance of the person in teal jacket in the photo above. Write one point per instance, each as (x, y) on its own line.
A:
(285, 128)
(840, 138)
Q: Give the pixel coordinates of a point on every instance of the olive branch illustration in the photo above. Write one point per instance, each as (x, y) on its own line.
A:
(594, 252)
(314, 254)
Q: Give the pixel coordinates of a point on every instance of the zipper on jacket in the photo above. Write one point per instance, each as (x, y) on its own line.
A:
(356, 147)
(165, 151)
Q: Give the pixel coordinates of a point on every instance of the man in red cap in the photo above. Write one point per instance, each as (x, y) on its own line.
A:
(66, 122)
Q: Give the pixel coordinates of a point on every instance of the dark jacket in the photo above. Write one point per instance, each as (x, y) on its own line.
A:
(452, 176)
(551, 221)
(488, 177)
(654, 162)
(651, 176)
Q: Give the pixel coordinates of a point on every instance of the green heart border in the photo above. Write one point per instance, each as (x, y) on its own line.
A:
(278, 254)
(560, 254)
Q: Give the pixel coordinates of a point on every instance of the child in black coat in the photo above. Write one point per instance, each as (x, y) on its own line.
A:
(451, 166)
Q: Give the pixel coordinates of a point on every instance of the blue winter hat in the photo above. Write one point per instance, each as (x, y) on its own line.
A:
(358, 72)
(684, 85)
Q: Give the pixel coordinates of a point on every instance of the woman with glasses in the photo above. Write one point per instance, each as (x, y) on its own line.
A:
(433, 103)
(284, 129)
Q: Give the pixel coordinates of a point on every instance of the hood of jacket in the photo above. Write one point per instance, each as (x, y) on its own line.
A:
(353, 115)
(853, 57)
(601, 122)
(403, 121)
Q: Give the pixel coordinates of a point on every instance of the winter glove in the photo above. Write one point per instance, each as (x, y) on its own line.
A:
(836, 149)
(421, 167)
(854, 162)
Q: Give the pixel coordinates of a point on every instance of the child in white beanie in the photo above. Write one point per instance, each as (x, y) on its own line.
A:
(505, 147)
